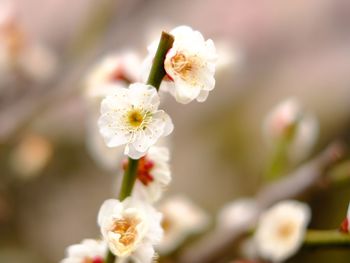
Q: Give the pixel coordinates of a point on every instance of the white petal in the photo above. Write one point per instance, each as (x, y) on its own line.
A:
(108, 208)
(203, 95)
(169, 126)
(143, 95)
(144, 254)
(133, 153)
(184, 93)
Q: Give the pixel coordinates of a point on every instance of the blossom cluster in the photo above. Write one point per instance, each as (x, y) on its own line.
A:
(132, 124)
(127, 127)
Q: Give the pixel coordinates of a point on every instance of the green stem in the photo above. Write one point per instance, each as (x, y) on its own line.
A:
(326, 239)
(110, 258)
(129, 179)
(155, 78)
(157, 71)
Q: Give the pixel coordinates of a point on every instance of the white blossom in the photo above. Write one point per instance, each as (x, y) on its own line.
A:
(237, 214)
(181, 218)
(131, 228)
(288, 120)
(229, 56)
(131, 117)
(113, 72)
(121, 69)
(189, 65)
(153, 175)
(281, 230)
(88, 251)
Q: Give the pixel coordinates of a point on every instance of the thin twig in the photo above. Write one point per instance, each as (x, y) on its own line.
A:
(326, 239)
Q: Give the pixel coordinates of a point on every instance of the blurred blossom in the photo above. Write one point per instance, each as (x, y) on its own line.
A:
(153, 175)
(181, 219)
(88, 251)
(31, 155)
(229, 56)
(281, 229)
(20, 55)
(121, 69)
(237, 214)
(130, 117)
(189, 65)
(131, 228)
(288, 121)
(345, 226)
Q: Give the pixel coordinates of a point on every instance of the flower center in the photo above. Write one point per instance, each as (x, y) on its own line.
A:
(126, 228)
(166, 224)
(137, 119)
(286, 230)
(144, 170)
(181, 64)
(93, 260)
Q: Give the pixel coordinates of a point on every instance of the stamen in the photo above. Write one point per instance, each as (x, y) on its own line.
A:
(137, 119)
(126, 228)
(181, 64)
(286, 229)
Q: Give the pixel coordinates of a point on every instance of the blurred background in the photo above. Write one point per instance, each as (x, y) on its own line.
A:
(50, 186)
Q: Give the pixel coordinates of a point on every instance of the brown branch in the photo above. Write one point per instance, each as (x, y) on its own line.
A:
(216, 244)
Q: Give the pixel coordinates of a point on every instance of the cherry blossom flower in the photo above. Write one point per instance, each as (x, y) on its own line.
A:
(131, 117)
(122, 69)
(281, 230)
(237, 214)
(88, 251)
(181, 219)
(131, 228)
(113, 72)
(189, 65)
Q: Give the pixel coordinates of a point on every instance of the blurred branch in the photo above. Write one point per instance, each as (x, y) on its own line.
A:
(326, 239)
(95, 26)
(67, 80)
(217, 243)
